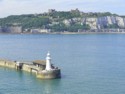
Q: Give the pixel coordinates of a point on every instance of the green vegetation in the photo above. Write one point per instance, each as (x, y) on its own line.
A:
(26, 21)
(64, 15)
(76, 27)
(112, 26)
(72, 28)
(48, 20)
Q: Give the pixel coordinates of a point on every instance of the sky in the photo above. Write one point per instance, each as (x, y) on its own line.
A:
(18, 7)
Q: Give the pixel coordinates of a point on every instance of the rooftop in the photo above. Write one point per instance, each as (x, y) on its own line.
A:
(40, 62)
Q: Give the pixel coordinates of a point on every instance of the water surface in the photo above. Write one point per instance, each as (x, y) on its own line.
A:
(90, 64)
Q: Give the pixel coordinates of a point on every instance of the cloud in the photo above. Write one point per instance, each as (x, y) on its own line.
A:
(15, 7)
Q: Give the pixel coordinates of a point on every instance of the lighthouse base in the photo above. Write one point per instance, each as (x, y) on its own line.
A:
(49, 74)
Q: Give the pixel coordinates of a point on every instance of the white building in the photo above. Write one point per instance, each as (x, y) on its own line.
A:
(40, 30)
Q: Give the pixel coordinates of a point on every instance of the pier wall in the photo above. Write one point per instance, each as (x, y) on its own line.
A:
(55, 73)
(42, 74)
(6, 63)
(29, 68)
(26, 67)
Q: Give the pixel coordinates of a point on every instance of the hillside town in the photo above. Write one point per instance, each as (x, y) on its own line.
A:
(63, 21)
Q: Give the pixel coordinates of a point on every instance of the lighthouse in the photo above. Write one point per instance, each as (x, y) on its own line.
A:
(48, 62)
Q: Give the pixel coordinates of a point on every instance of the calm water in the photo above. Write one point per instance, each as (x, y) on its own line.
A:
(91, 64)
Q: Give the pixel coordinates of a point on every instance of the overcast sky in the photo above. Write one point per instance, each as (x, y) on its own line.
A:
(17, 7)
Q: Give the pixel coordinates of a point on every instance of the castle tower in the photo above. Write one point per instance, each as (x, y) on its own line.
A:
(48, 62)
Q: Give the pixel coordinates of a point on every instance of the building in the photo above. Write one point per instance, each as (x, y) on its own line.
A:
(11, 29)
(51, 11)
(15, 29)
(0, 29)
(40, 30)
(45, 30)
(75, 10)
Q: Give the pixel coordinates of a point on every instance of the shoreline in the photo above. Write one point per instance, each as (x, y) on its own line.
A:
(63, 33)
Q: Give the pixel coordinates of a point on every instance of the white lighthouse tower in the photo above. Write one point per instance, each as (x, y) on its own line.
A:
(48, 62)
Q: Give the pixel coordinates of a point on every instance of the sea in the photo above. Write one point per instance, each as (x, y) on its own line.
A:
(89, 63)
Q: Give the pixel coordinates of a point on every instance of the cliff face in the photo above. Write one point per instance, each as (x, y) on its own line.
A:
(106, 22)
(11, 29)
(100, 22)
(92, 22)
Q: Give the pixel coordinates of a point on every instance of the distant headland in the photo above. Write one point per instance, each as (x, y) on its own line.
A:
(63, 22)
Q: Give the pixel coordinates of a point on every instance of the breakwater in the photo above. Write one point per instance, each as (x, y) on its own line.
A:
(43, 69)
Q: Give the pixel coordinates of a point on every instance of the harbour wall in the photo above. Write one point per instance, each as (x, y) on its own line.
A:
(41, 74)
(7, 63)
(52, 74)
(12, 64)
